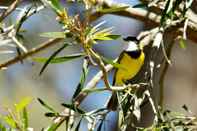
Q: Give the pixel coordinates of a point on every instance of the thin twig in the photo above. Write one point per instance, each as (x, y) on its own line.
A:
(20, 45)
(91, 84)
(9, 10)
(31, 52)
(102, 67)
(146, 16)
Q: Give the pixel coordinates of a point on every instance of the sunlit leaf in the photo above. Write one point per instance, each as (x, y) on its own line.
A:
(54, 126)
(107, 37)
(53, 34)
(22, 104)
(59, 59)
(10, 121)
(112, 9)
(2, 127)
(51, 57)
(25, 119)
(56, 5)
(95, 33)
(46, 105)
(182, 43)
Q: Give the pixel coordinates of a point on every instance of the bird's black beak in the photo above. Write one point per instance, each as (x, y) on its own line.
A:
(130, 38)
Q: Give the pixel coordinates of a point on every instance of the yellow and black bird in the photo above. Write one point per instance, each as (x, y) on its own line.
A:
(131, 61)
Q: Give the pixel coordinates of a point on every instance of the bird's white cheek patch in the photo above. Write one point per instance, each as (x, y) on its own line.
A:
(132, 46)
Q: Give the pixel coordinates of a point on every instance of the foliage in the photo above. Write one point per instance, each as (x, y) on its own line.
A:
(80, 31)
(16, 118)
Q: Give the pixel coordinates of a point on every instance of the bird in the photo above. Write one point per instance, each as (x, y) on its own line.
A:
(131, 61)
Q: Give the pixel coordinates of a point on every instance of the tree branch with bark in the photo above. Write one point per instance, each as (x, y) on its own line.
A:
(168, 21)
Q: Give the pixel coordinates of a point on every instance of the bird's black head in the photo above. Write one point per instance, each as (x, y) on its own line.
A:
(131, 38)
(133, 48)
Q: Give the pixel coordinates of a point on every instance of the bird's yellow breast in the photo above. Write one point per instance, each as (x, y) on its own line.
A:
(130, 67)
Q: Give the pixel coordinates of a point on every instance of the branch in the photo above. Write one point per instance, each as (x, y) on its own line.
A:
(31, 52)
(10, 9)
(147, 16)
(91, 84)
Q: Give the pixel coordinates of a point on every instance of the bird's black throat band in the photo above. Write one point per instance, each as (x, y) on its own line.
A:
(134, 54)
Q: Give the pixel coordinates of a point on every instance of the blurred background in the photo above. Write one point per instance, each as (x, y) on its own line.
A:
(59, 81)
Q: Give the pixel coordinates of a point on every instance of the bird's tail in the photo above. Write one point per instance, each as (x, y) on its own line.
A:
(113, 102)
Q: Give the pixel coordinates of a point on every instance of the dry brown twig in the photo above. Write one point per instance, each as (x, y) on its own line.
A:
(31, 52)
(148, 16)
(136, 13)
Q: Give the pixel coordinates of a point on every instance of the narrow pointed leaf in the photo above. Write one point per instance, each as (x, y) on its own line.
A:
(59, 59)
(141, 5)
(82, 79)
(113, 9)
(25, 119)
(10, 121)
(78, 125)
(46, 105)
(53, 34)
(107, 37)
(100, 125)
(51, 57)
(56, 5)
(22, 104)
(182, 43)
(51, 114)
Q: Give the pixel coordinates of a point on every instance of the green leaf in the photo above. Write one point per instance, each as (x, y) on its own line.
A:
(59, 59)
(95, 33)
(176, 5)
(74, 108)
(167, 9)
(82, 79)
(141, 5)
(107, 37)
(56, 5)
(2, 127)
(53, 34)
(182, 43)
(22, 104)
(54, 126)
(112, 9)
(46, 105)
(51, 114)
(51, 57)
(78, 125)
(10, 121)
(25, 119)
